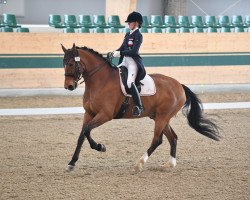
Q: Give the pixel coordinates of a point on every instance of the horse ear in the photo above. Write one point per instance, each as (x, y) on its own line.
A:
(64, 49)
(74, 49)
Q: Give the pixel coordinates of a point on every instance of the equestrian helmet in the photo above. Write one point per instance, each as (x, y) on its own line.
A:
(135, 17)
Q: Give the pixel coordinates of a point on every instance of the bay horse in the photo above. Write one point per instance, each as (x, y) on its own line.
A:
(103, 99)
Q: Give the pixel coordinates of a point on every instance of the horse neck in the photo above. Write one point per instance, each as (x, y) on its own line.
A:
(98, 71)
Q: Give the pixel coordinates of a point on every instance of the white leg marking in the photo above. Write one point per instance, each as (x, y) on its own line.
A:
(139, 166)
(69, 168)
(144, 157)
(171, 162)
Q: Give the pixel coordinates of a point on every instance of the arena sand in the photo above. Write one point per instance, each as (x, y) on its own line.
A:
(34, 150)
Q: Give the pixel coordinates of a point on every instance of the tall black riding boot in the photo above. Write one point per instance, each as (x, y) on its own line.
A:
(138, 109)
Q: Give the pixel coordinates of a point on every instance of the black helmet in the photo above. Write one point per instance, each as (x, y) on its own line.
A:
(135, 17)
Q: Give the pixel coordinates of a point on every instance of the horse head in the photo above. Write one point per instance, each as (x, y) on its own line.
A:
(73, 67)
(82, 62)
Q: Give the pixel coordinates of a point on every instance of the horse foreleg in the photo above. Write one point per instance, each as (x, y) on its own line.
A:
(94, 145)
(98, 120)
(172, 138)
(85, 128)
(80, 141)
(157, 140)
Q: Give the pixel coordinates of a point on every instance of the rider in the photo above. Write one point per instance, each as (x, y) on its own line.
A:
(130, 58)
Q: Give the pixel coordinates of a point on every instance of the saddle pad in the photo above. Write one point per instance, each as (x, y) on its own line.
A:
(147, 86)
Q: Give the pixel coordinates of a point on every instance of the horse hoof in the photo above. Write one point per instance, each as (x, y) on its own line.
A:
(138, 168)
(171, 163)
(69, 168)
(103, 148)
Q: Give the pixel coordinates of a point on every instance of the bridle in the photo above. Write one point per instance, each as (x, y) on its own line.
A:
(77, 74)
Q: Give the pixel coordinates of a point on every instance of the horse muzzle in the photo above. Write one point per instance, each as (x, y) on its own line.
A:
(71, 87)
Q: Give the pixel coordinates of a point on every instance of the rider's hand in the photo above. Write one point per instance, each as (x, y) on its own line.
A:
(116, 54)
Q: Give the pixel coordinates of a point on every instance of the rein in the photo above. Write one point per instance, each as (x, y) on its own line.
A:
(96, 69)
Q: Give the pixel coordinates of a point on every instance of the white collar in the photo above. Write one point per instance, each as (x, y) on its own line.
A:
(131, 31)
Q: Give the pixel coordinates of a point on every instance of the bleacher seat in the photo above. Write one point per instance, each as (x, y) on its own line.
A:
(224, 21)
(55, 21)
(237, 21)
(7, 29)
(84, 30)
(247, 20)
(239, 29)
(69, 30)
(198, 30)
(169, 21)
(126, 30)
(156, 21)
(70, 21)
(212, 30)
(145, 22)
(156, 30)
(85, 21)
(210, 21)
(144, 30)
(183, 21)
(10, 20)
(184, 30)
(99, 30)
(22, 30)
(196, 21)
(99, 21)
(114, 21)
(1, 23)
(113, 30)
(225, 29)
(170, 30)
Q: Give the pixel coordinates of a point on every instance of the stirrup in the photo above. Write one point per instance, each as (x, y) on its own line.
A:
(137, 111)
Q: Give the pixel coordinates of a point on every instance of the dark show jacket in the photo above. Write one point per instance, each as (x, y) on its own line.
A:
(130, 48)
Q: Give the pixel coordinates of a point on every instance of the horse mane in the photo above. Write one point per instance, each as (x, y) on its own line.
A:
(108, 61)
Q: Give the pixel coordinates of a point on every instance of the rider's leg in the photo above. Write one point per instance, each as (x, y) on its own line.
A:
(138, 109)
(132, 73)
(130, 64)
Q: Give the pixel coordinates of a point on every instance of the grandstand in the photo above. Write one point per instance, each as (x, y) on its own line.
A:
(202, 44)
(160, 17)
(187, 33)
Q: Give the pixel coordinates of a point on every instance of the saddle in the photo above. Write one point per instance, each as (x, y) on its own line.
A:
(146, 87)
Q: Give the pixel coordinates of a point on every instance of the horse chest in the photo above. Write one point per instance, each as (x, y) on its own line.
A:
(90, 105)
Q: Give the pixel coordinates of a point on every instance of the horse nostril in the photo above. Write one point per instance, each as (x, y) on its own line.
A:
(71, 87)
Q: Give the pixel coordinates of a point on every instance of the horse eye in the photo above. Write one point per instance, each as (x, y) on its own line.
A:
(70, 64)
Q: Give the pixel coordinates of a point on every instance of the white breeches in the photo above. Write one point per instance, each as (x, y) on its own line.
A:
(131, 65)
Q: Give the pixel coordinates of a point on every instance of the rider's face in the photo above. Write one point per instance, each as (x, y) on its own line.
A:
(132, 25)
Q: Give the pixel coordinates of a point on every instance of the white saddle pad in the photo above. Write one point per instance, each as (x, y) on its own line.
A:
(147, 88)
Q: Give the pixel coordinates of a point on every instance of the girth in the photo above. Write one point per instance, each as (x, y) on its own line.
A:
(123, 108)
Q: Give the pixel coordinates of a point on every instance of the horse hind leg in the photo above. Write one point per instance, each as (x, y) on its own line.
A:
(172, 138)
(157, 140)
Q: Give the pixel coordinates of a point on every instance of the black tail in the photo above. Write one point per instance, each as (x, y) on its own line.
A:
(193, 110)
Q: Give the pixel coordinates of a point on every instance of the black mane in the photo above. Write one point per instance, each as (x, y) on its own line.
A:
(108, 61)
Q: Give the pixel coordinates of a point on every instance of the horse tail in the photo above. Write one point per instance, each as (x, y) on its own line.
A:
(193, 110)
